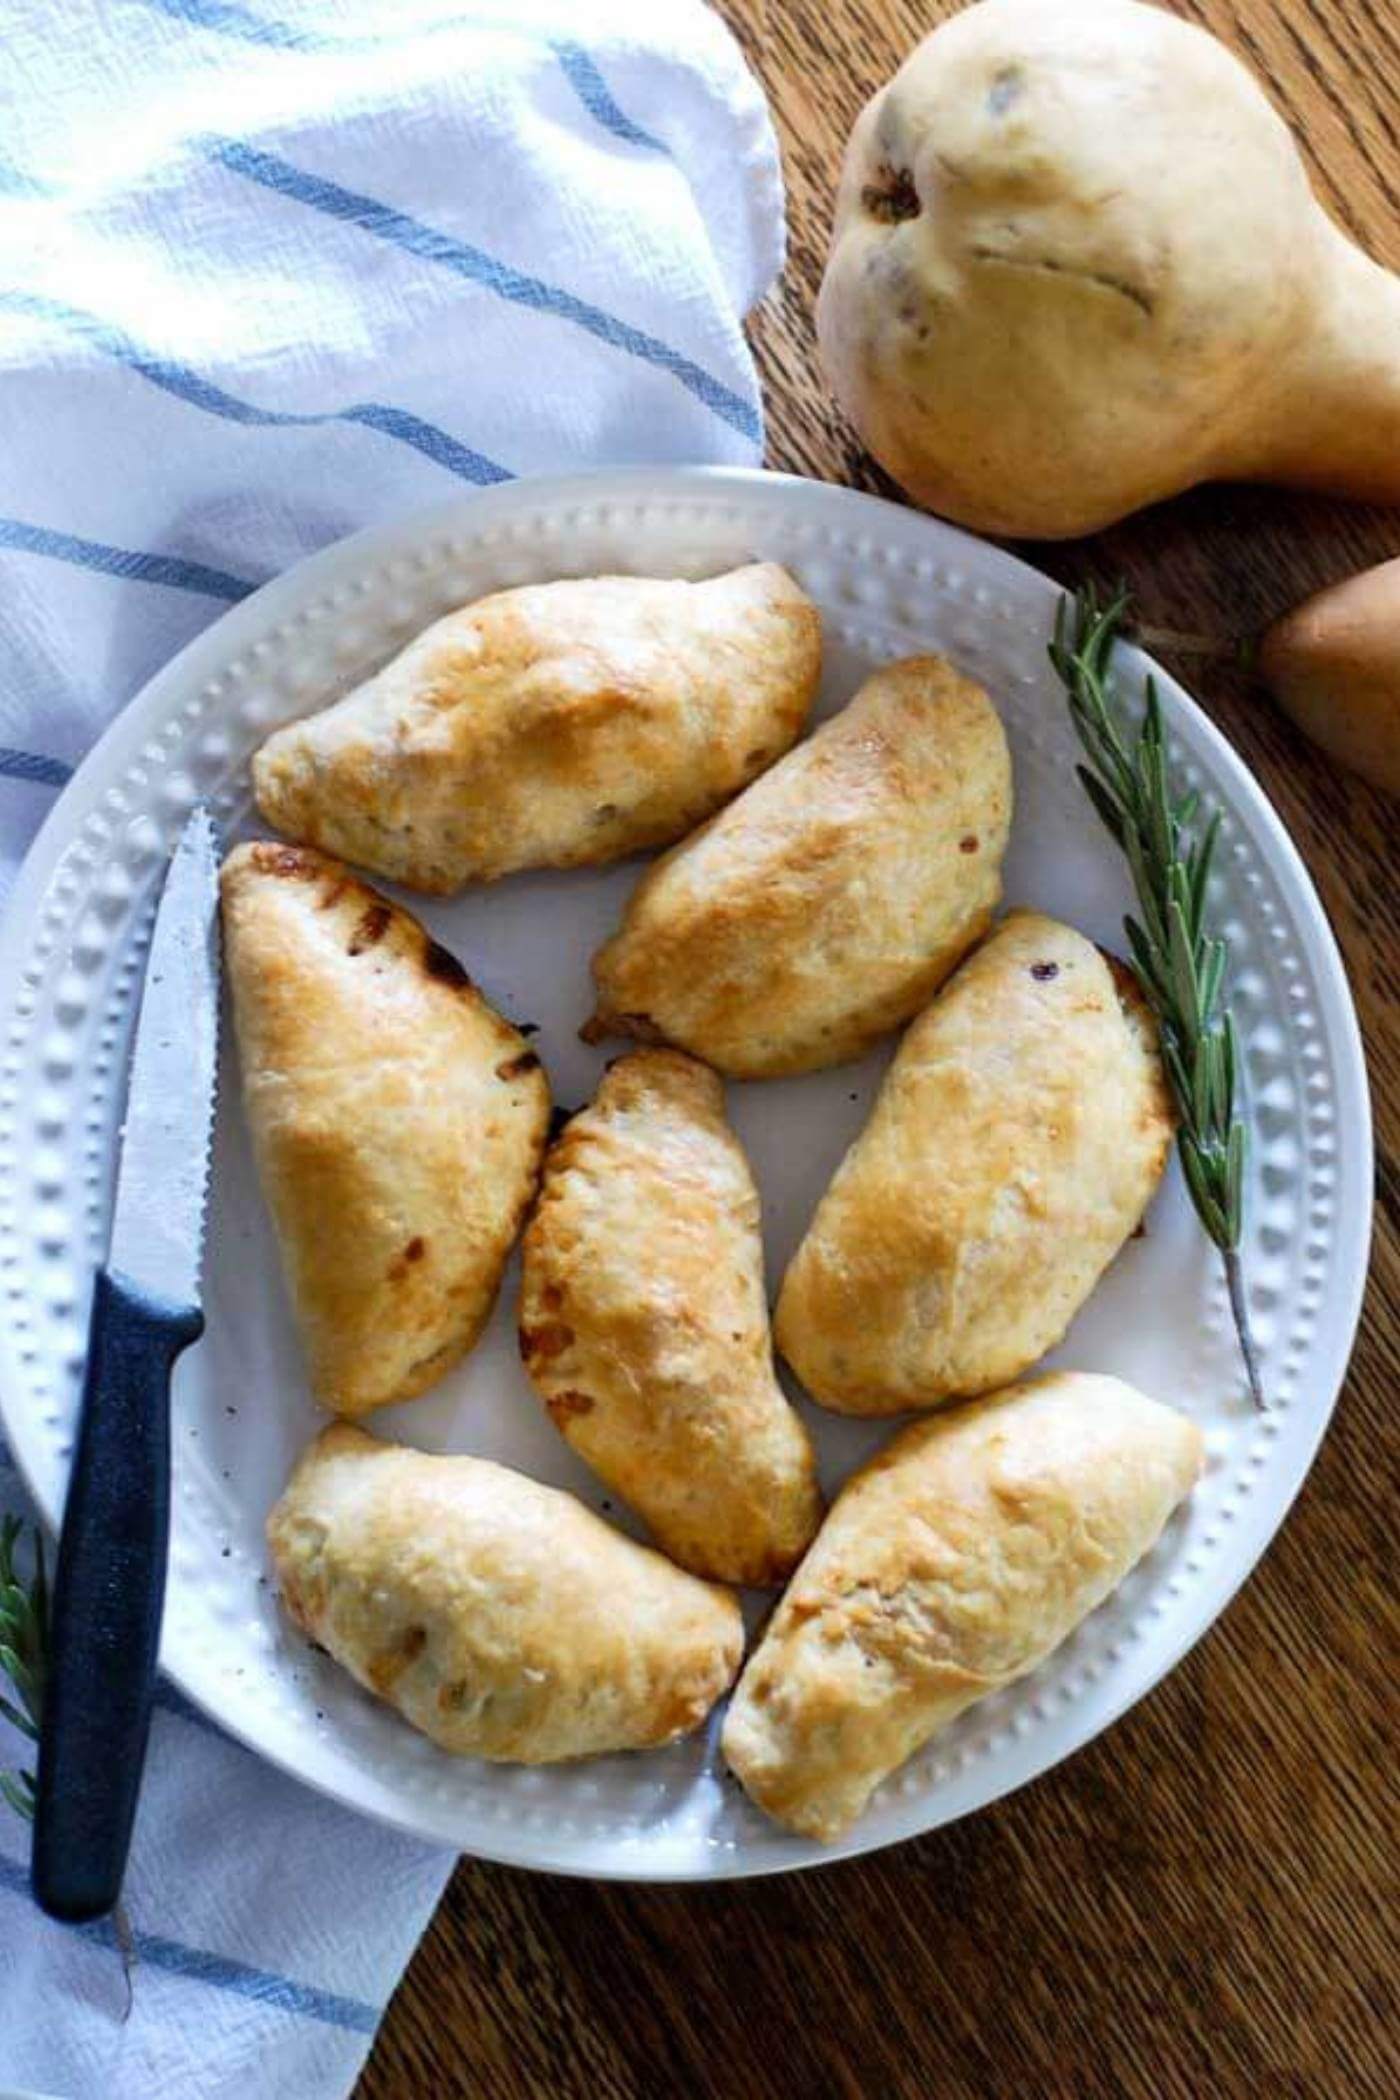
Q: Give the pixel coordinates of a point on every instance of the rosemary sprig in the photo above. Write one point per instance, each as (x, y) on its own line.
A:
(24, 1619)
(1178, 960)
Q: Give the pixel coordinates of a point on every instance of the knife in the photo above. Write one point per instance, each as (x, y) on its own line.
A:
(110, 1581)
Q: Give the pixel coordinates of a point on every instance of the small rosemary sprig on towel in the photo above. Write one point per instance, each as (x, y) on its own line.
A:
(1178, 960)
(24, 1660)
(24, 1619)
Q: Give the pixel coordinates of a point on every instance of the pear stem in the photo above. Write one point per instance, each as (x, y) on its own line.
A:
(1235, 652)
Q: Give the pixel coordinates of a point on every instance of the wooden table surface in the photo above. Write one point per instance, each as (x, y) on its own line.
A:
(1195, 1906)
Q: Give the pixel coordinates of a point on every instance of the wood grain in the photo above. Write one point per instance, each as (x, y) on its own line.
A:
(1202, 1904)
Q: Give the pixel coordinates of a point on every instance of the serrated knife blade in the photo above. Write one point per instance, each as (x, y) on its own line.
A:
(109, 1590)
(162, 1179)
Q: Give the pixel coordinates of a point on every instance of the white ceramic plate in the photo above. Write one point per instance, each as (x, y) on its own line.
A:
(888, 582)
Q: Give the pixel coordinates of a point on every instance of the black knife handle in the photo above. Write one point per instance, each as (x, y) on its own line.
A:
(108, 1592)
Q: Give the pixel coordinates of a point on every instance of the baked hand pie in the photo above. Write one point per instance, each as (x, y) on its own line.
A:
(554, 726)
(644, 1325)
(397, 1121)
(1014, 1145)
(951, 1565)
(501, 1618)
(828, 903)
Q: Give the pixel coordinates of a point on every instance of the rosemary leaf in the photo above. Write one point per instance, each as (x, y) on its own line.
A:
(17, 1719)
(1211, 978)
(1109, 812)
(1234, 1179)
(1145, 960)
(1216, 1101)
(19, 1674)
(1177, 1074)
(1202, 1084)
(1202, 861)
(1183, 964)
(19, 1792)
(1199, 1181)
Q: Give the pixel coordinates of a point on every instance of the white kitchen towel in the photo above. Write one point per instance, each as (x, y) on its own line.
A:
(271, 270)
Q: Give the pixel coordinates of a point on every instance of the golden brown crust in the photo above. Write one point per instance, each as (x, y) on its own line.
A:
(500, 1617)
(398, 1122)
(950, 1566)
(827, 904)
(644, 1326)
(1015, 1144)
(559, 725)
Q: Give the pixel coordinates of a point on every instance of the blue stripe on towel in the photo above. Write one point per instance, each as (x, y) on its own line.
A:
(47, 772)
(220, 1971)
(578, 65)
(229, 20)
(173, 569)
(387, 224)
(189, 385)
(580, 69)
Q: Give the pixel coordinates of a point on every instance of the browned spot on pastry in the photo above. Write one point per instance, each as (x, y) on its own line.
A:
(370, 928)
(968, 844)
(547, 1342)
(891, 196)
(605, 813)
(445, 968)
(564, 1406)
(414, 1251)
(602, 1026)
(294, 1604)
(270, 859)
(515, 1067)
(552, 1298)
(685, 1708)
(452, 1697)
(1042, 972)
(391, 1663)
